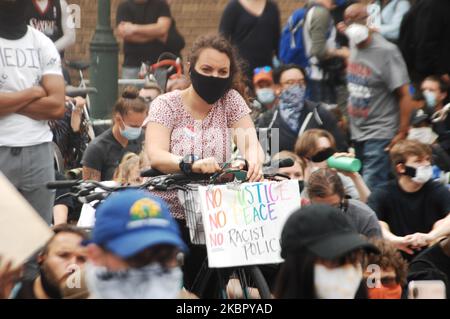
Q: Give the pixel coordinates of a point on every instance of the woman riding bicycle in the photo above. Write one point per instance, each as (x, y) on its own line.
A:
(191, 130)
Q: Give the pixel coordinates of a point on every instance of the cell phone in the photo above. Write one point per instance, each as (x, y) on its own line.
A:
(426, 289)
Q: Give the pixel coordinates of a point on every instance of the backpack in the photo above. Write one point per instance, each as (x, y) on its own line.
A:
(292, 48)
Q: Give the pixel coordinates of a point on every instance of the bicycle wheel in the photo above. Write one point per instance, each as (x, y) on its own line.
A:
(58, 159)
(248, 283)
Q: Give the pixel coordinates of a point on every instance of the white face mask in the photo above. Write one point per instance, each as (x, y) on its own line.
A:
(150, 282)
(337, 283)
(422, 134)
(423, 174)
(357, 33)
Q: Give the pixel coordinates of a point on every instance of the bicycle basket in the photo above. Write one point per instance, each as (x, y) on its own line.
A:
(189, 199)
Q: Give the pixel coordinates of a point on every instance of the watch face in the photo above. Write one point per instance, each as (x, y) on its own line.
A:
(189, 159)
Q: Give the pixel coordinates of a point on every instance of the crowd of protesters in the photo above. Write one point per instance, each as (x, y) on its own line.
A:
(372, 90)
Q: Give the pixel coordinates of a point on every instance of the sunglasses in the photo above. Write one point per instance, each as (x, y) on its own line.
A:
(229, 176)
(388, 281)
(265, 69)
(323, 155)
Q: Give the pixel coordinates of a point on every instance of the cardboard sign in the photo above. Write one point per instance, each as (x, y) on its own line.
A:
(22, 230)
(243, 223)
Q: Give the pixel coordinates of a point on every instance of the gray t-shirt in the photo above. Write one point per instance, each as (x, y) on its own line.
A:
(363, 218)
(104, 153)
(373, 75)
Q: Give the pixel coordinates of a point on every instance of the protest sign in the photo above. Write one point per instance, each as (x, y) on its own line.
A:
(243, 223)
(22, 230)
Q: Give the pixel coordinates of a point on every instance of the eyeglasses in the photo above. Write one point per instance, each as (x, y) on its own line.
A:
(388, 281)
(265, 69)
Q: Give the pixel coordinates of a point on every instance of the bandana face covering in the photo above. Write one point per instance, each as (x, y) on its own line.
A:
(291, 105)
(150, 282)
(12, 19)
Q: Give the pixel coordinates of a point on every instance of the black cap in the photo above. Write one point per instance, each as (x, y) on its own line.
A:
(323, 230)
(419, 116)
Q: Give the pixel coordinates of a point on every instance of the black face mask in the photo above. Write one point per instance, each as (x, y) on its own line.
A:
(301, 185)
(12, 19)
(410, 171)
(209, 88)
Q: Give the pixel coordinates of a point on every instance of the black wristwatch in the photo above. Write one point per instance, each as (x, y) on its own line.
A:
(186, 163)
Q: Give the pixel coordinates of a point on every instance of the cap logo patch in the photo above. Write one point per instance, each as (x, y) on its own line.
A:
(145, 208)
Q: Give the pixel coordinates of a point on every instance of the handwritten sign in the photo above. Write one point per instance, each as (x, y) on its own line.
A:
(243, 223)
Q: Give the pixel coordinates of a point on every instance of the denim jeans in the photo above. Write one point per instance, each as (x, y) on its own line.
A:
(376, 166)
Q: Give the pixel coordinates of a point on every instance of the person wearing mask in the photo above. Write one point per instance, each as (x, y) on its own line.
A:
(253, 27)
(435, 93)
(314, 147)
(386, 16)
(134, 252)
(325, 187)
(385, 273)
(412, 208)
(31, 93)
(264, 89)
(293, 114)
(105, 152)
(191, 131)
(327, 62)
(323, 256)
(143, 26)
(379, 105)
(61, 257)
(51, 17)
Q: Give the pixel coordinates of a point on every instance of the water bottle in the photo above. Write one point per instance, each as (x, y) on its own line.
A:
(349, 164)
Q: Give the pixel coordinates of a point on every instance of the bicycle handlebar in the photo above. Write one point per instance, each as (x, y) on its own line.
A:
(62, 184)
(282, 162)
(72, 91)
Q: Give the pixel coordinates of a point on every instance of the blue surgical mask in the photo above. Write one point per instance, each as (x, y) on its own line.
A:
(131, 133)
(430, 98)
(265, 96)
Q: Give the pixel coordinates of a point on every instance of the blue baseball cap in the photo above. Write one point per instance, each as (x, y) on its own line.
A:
(129, 221)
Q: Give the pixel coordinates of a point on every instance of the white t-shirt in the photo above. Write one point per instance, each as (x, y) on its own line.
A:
(23, 63)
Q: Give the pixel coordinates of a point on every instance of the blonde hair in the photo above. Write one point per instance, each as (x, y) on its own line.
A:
(123, 171)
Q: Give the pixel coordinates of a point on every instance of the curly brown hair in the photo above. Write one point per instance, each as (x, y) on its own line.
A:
(219, 43)
(389, 258)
